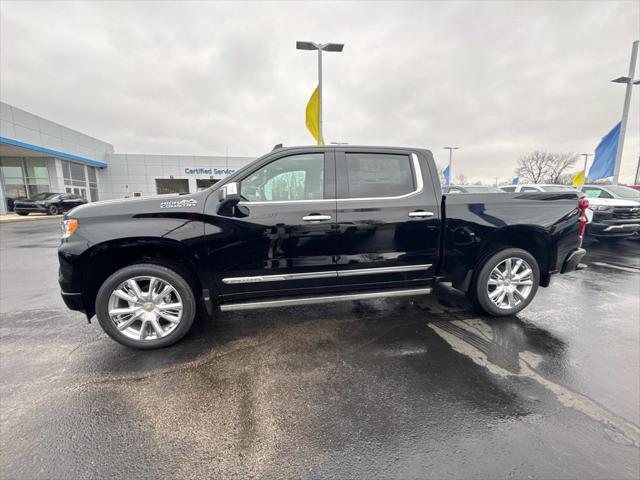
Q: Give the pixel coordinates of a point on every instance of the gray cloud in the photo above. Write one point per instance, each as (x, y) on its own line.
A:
(497, 78)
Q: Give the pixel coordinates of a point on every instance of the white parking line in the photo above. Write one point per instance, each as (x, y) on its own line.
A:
(617, 267)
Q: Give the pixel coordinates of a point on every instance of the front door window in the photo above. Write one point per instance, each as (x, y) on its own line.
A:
(293, 178)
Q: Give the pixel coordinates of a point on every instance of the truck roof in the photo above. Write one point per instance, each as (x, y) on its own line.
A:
(347, 146)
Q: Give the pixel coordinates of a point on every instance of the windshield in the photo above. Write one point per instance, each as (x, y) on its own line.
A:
(44, 196)
(624, 192)
(482, 189)
(556, 188)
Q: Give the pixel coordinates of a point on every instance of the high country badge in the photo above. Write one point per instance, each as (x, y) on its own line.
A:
(179, 203)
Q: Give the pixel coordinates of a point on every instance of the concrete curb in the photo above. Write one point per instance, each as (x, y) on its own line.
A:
(28, 218)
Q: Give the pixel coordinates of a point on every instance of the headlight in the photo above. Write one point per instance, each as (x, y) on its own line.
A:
(601, 208)
(68, 227)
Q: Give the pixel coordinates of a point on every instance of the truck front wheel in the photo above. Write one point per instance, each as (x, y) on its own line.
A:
(506, 282)
(146, 306)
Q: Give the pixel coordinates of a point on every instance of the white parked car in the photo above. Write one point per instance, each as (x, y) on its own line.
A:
(616, 211)
(536, 187)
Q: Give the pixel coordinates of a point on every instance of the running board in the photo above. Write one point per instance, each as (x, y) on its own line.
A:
(323, 299)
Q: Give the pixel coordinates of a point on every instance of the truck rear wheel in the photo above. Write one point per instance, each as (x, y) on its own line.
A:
(506, 282)
(146, 306)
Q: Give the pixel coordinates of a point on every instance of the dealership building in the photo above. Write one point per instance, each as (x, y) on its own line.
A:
(38, 155)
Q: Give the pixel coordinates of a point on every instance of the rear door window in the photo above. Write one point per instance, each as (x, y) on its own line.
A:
(378, 175)
(529, 189)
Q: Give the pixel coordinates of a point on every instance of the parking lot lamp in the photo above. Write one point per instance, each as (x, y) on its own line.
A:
(586, 158)
(320, 47)
(451, 149)
(628, 80)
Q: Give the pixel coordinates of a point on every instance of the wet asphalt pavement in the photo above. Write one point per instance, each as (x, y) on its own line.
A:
(422, 388)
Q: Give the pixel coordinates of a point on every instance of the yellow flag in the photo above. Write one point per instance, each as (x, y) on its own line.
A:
(313, 116)
(578, 179)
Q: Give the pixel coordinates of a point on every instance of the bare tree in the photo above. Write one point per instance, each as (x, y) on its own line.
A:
(544, 167)
(557, 168)
(461, 179)
(565, 179)
(533, 167)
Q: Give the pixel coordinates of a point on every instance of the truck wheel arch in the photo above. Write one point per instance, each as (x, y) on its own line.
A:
(103, 259)
(536, 241)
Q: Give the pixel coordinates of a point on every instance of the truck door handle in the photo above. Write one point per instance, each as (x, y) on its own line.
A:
(421, 213)
(316, 217)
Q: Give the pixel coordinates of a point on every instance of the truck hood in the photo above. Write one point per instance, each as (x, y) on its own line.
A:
(193, 202)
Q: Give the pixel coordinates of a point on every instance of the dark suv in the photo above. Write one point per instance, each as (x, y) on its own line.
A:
(49, 203)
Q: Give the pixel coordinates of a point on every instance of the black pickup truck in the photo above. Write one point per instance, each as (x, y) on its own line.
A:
(310, 225)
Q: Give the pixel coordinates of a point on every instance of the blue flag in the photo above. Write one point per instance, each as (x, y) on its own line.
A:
(604, 162)
(515, 181)
(445, 174)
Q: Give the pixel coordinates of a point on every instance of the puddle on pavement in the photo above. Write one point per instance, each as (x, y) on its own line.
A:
(496, 349)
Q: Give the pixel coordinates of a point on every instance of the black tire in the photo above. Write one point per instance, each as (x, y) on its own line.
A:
(23, 214)
(479, 294)
(53, 210)
(146, 269)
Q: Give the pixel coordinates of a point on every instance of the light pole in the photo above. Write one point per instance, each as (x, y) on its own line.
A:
(320, 47)
(451, 149)
(586, 157)
(625, 109)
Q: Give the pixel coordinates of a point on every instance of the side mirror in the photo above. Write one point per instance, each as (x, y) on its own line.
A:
(229, 194)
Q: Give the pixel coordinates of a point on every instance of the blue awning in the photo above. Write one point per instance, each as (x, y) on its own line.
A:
(54, 153)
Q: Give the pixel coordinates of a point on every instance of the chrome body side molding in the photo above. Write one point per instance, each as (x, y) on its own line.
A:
(279, 278)
(322, 299)
(330, 274)
(373, 271)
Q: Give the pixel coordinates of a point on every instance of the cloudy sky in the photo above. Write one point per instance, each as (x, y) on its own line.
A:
(499, 79)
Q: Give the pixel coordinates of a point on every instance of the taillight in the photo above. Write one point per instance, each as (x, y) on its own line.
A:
(583, 204)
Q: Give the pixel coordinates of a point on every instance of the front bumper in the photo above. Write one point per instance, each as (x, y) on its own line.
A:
(572, 262)
(613, 228)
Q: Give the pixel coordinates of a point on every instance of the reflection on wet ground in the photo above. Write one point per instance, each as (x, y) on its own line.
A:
(495, 347)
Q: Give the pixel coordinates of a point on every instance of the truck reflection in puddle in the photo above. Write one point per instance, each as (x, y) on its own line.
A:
(498, 346)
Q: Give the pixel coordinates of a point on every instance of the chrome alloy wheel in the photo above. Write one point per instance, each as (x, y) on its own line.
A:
(145, 308)
(510, 283)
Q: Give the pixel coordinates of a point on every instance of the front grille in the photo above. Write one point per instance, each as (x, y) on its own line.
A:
(626, 213)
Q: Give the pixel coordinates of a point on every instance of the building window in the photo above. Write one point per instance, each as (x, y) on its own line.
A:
(80, 180)
(93, 183)
(78, 176)
(172, 185)
(23, 177)
(204, 183)
(36, 176)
